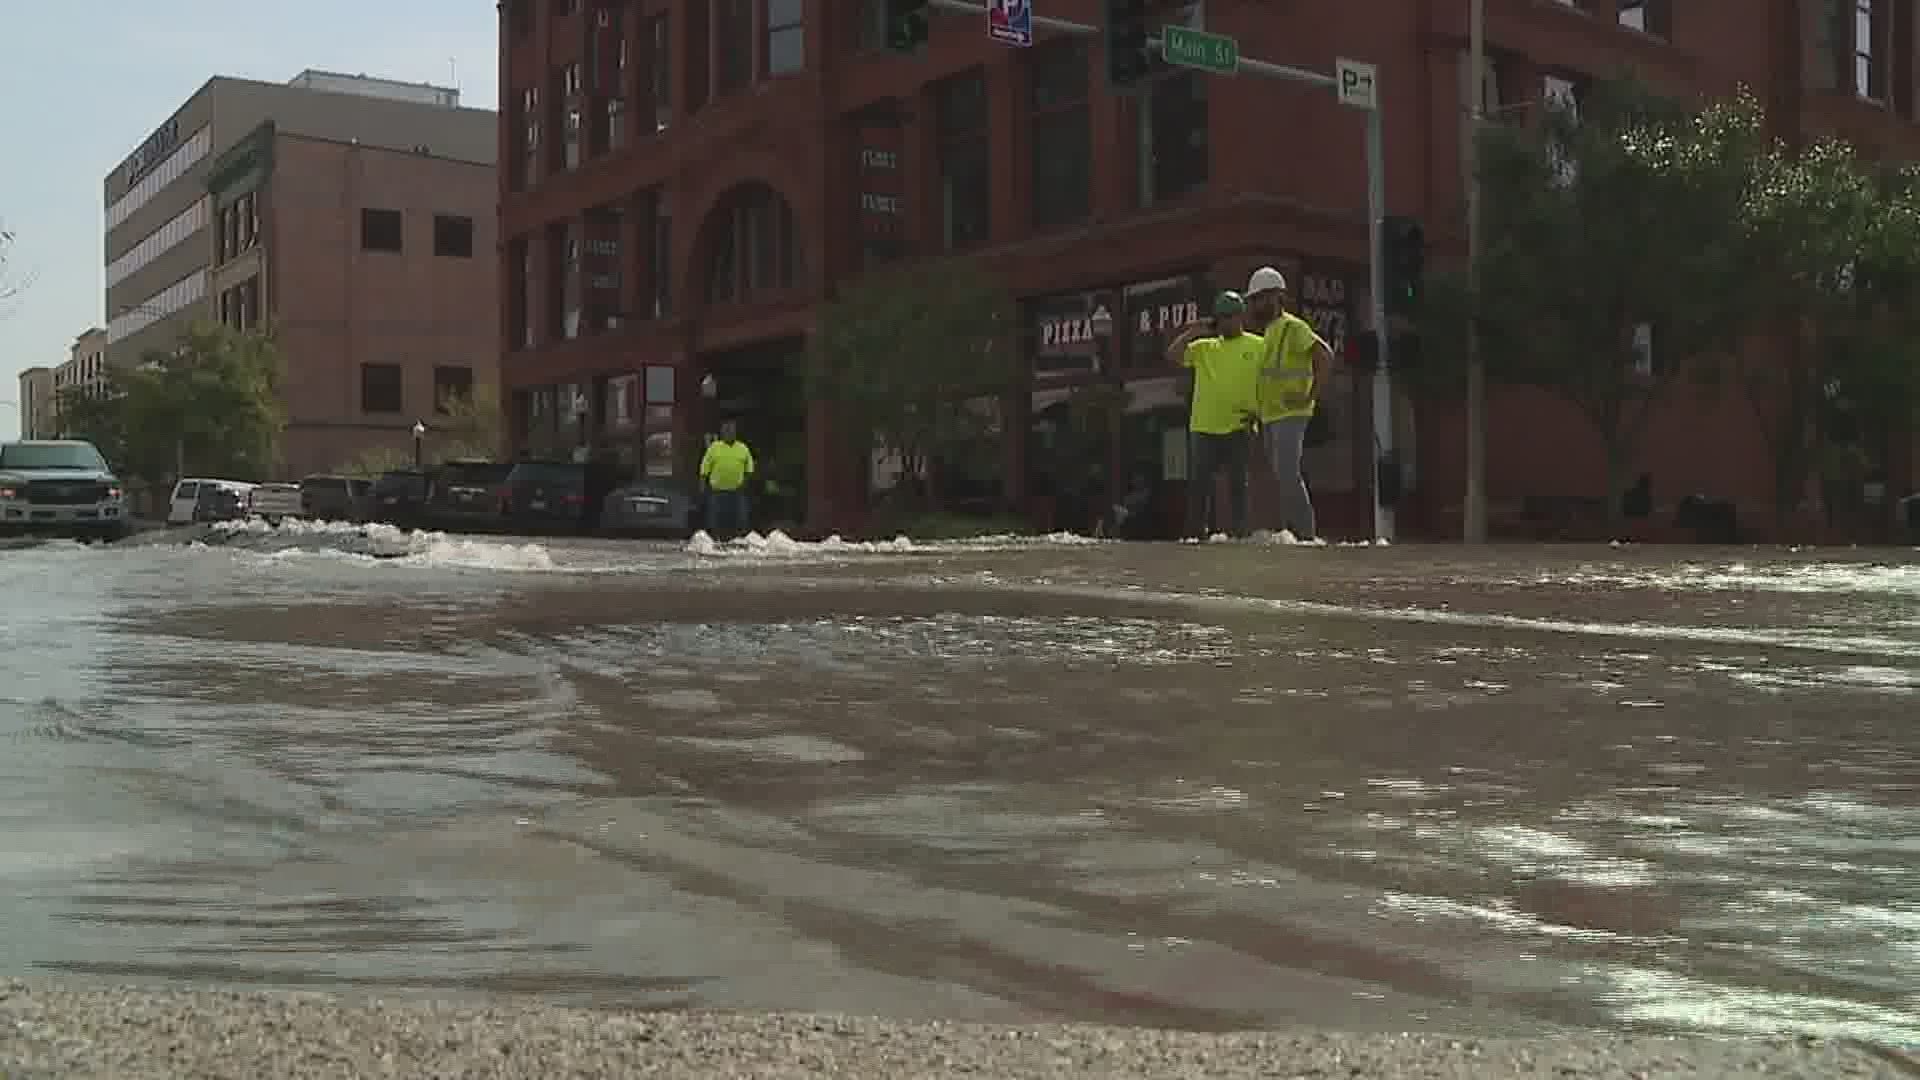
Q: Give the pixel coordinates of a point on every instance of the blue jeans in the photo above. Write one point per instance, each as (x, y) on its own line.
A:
(1286, 442)
(726, 512)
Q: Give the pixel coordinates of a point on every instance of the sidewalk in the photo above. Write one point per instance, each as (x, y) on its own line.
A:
(48, 1031)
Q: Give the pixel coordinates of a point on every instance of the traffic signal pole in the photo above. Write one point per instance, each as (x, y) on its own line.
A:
(1363, 97)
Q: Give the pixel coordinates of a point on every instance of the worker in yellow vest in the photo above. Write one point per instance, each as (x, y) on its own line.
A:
(1294, 370)
(1225, 359)
(724, 472)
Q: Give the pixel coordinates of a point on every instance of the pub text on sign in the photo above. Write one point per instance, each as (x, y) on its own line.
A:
(880, 204)
(1167, 317)
(871, 158)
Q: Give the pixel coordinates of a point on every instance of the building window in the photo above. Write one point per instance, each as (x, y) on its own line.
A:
(451, 383)
(380, 230)
(526, 162)
(659, 218)
(519, 294)
(733, 21)
(570, 138)
(960, 128)
(453, 236)
(611, 131)
(1648, 16)
(564, 284)
(1062, 147)
(1869, 60)
(786, 36)
(1173, 146)
(570, 83)
(660, 71)
(380, 389)
(754, 249)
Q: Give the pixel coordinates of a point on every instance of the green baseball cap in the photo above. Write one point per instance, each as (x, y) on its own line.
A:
(1229, 303)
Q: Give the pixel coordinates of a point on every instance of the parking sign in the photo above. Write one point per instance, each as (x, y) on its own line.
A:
(1010, 22)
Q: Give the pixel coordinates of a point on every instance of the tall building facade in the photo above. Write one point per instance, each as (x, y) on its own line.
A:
(353, 216)
(685, 182)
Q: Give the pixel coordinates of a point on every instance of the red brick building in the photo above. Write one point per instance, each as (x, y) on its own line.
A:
(684, 181)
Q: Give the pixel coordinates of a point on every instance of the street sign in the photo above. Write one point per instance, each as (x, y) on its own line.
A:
(1185, 47)
(1356, 84)
(1010, 22)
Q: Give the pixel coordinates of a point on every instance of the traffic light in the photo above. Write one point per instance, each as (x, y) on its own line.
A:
(1404, 249)
(1129, 60)
(906, 25)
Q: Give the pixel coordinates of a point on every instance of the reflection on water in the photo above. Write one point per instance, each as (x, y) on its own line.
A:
(1204, 788)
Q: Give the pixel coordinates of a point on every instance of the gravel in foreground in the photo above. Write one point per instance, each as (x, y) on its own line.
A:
(72, 1033)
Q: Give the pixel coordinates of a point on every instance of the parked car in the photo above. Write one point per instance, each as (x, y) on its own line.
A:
(275, 503)
(217, 500)
(555, 496)
(649, 507)
(399, 497)
(467, 496)
(60, 487)
(336, 498)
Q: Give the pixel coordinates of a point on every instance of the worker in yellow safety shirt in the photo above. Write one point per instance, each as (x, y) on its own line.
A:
(724, 472)
(1226, 369)
(1293, 371)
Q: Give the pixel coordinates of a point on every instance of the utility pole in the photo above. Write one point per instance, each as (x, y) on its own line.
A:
(1474, 512)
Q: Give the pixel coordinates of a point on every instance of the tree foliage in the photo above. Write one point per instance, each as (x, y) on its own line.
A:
(906, 356)
(468, 426)
(210, 405)
(1608, 226)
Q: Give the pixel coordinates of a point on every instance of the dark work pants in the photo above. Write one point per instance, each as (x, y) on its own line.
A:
(726, 513)
(1207, 455)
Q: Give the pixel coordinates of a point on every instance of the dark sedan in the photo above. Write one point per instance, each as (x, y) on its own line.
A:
(651, 507)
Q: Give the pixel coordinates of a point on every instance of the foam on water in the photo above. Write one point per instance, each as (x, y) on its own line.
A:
(779, 545)
(1886, 579)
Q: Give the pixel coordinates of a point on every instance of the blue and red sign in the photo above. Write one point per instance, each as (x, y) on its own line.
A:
(1010, 22)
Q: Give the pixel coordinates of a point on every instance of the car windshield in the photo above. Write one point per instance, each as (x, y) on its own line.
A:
(474, 474)
(553, 476)
(51, 456)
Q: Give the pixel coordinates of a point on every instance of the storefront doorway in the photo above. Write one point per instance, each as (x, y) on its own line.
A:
(762, 389)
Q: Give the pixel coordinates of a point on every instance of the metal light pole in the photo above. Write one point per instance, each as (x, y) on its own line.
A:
(419, 434)
(1474, 510)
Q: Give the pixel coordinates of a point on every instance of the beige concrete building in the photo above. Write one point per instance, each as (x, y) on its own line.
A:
(86, 366)
(340, 210)
(37, 420)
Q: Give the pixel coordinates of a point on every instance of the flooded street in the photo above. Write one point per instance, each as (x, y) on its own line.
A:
(1214, 787)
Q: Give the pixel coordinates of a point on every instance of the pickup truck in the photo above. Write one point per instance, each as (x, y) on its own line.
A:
(277, 502)
(61, 487)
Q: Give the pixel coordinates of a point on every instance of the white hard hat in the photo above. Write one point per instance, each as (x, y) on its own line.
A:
(1265, 279)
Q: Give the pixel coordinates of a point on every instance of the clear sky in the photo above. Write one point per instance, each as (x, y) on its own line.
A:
(82, 82)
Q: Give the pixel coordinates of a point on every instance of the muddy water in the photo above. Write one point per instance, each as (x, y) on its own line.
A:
(1204, 787)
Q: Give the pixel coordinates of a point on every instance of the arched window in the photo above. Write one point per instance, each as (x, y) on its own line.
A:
(752, 246)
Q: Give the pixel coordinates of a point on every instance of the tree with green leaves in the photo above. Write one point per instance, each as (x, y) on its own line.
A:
(906, 357)
(209, 405)
(1820, 227)
(466, 426)
(1612, 237)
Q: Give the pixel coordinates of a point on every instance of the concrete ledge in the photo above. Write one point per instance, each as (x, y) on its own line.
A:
(50, 1031)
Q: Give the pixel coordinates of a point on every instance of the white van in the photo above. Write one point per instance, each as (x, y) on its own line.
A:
(201, 499)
